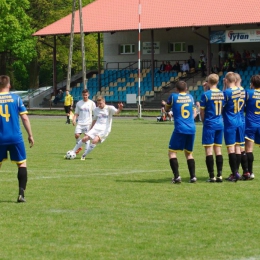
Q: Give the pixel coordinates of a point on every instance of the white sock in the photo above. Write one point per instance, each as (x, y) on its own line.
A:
(90, 148)
(87, 145)
(78, 145)
(77, 140)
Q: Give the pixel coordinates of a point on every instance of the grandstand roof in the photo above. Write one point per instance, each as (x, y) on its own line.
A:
(118, 15)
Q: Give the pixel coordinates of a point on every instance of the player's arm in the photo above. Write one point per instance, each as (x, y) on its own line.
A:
(194, 112)
(202, 113)
(27, 126)
(93, 123)
(75, 118)
(120, 108)
(168, 107)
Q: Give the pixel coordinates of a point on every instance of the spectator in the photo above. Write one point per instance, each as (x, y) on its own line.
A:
(162, 67)
(215, 69)
(243, 65)
(238, 59)
(203, 56)
(165, 114)
(252, 58)
(226, 65)
(201, 67)
(185, 67)
(168, 67)
(230, 55)
(58, 97)
(191, 62)
(244, 54)
(248, 57)
(222, 57)
(176, 67)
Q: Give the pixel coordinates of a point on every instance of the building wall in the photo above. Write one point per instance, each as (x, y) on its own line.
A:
(112, 42)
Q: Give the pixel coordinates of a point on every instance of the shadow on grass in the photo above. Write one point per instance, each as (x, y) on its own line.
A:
(164, 180)
(9, 201)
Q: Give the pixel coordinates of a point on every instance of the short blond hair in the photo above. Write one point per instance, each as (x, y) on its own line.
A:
(238, 78)
(213, 79)
(230, 77)
(100, 98)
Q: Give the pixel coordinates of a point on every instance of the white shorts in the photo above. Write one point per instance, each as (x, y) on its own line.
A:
(100, 133)
(82, 129)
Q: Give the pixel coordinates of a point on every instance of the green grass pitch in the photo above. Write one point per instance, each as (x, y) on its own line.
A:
(120, 204)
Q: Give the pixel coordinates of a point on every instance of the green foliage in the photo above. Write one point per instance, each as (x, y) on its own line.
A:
(50, 12)
(16, 45)
(22, 55)
(120, 204)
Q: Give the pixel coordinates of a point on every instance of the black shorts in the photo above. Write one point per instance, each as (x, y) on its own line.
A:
(67, 109)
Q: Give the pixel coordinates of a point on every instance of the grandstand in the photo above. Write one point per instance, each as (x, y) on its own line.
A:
(116, 84)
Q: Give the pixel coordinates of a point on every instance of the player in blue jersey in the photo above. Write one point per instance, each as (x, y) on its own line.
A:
(240, 151)
(252, 121)
(183, 136)
(211, 104)
(232, 123)
(11, 140)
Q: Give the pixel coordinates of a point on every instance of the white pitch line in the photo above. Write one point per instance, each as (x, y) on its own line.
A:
(93, 173)
(86, 175)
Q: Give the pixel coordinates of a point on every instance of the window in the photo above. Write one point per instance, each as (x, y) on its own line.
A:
(127, 49)
(177, 47)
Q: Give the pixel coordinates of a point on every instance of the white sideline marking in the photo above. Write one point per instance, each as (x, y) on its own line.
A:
(84, 175)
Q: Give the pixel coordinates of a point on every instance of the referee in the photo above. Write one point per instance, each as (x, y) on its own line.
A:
(68, 104)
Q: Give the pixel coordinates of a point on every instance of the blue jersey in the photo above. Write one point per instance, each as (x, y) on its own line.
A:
(212, 101)
(231, 114)
(252, 108)
(182, 108)
(11, 106)
(242, 104)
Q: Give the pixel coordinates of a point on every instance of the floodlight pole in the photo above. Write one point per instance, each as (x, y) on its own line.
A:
(71, 45)
(139, 62)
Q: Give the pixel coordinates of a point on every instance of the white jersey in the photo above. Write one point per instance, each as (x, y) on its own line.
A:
(104, 118)
(84, 111)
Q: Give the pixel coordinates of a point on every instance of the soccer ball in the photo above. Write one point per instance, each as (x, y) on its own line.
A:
(70, 155)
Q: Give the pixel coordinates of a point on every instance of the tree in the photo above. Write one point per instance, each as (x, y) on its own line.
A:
(17, 46)
(49, 12)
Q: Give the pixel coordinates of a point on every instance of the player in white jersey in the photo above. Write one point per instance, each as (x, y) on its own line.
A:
(101, 125)
(83, 113)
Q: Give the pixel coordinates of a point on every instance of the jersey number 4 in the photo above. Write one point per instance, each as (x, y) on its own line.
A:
(4, 112)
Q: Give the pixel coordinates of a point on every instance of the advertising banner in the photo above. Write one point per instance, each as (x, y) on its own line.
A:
(235, 36)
